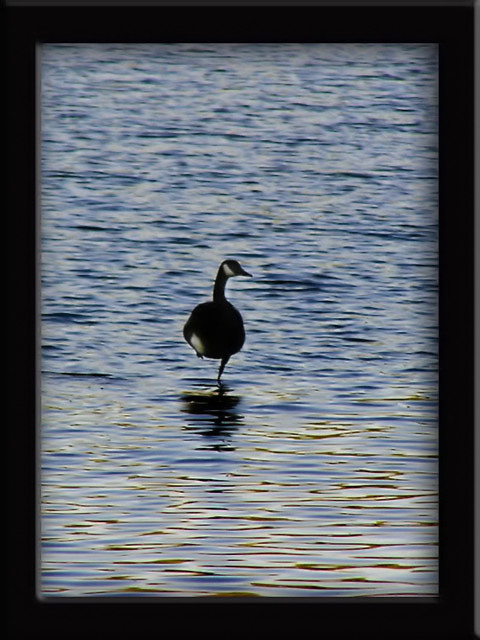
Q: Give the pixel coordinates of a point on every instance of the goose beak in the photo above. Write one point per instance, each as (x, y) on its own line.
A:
(242, 272)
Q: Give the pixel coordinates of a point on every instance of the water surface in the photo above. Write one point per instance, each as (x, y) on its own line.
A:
(314, 471)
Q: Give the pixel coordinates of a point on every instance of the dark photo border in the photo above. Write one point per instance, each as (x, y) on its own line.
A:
(452, 27)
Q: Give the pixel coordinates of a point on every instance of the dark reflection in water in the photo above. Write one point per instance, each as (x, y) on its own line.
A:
(212, 414)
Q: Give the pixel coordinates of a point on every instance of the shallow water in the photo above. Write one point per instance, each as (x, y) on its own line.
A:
(314, 470)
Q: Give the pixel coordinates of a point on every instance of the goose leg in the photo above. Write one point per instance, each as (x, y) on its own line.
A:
(221, 368)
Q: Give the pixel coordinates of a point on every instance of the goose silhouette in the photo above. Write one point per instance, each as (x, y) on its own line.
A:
(215, 329)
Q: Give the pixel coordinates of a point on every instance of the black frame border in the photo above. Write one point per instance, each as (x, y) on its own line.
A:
(452, 27)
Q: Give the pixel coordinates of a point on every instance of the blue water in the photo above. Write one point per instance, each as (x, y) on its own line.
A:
(314, 471)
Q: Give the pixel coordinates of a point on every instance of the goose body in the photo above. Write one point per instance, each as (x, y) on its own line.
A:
(215, 329)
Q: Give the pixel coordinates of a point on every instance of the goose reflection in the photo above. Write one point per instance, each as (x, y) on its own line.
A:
(212, 414)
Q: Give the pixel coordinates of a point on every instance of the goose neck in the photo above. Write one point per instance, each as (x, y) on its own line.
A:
(219, 288)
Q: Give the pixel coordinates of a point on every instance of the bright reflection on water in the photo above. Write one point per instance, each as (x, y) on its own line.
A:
(314, 471)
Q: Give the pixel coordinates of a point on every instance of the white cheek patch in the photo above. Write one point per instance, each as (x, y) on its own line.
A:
(197, 344)
(228, 271)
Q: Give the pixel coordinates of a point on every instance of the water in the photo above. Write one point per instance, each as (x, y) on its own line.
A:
(314, 472)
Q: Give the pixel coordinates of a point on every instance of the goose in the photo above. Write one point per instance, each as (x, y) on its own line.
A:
(215, 329)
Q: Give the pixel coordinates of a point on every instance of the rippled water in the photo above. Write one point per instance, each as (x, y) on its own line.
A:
(314, 471)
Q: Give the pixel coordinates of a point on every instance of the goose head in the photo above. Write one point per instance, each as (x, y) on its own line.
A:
(233, 268)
